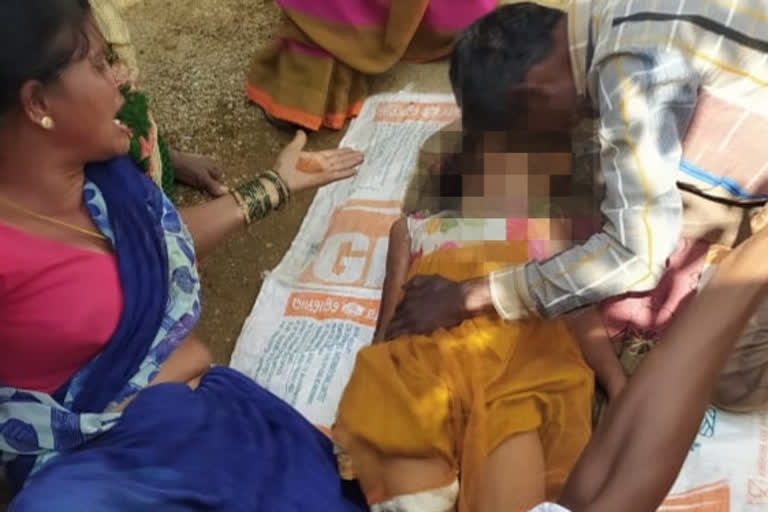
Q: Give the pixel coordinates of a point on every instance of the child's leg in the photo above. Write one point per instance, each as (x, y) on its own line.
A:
(513, 476)
(404, 475)
(597, 349)
(384, 477)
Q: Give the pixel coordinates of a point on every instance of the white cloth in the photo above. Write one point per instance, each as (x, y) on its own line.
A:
(436, 500)
(549, 507)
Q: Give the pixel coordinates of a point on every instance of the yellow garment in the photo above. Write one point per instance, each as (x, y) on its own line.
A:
(460, 393)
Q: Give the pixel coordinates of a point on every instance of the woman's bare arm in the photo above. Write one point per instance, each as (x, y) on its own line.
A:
(213, 222)
(398, 264)
(186, 364)
(636, 454)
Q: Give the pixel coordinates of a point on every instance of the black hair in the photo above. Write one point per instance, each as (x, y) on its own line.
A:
(493, 55)
(451, 190)
(38, 40)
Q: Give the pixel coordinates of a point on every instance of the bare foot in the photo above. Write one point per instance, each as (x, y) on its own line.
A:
(198, 172)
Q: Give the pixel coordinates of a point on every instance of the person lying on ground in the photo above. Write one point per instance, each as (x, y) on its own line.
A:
(447, 415)
(422, 421)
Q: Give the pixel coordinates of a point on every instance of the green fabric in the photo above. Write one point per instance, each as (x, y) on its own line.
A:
(135, 115)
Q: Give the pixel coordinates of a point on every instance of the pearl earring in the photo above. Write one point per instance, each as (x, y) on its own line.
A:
(47, 123)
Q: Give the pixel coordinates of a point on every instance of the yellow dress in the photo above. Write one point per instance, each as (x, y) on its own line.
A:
(459, 393)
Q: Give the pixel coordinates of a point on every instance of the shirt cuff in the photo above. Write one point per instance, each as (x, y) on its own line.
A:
(510, 294)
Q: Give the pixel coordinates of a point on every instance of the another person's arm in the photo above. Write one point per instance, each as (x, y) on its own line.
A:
(636, 453)
(213, 222)
(642, 119)
(598, 350)
(398, 263)
(197, 171)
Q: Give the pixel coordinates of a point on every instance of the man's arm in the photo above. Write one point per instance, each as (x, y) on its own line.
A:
(636, 454)
(644, 113)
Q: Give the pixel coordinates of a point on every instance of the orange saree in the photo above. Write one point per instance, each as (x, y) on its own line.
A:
(314, 73)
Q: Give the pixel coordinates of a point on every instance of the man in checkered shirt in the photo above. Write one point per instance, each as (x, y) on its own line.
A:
(681, 92)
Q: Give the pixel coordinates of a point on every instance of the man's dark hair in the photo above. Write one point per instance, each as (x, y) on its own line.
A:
(492, 56)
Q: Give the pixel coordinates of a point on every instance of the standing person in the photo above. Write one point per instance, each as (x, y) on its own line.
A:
(681, 96)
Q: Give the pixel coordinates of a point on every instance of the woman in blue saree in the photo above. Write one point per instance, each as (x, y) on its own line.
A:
(143, 423)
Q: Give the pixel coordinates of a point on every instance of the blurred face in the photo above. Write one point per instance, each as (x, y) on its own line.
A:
(516, 185)
(83, 103)
(544, 204)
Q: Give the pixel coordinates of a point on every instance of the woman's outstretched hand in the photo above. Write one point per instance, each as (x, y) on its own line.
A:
(302, 170)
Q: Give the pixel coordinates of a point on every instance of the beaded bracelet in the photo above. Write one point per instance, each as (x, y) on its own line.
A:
(283, 192)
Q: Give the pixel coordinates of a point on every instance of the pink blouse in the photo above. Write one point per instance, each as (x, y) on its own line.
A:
(59, 306)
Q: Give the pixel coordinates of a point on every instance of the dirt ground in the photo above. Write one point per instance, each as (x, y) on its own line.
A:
(193, 56)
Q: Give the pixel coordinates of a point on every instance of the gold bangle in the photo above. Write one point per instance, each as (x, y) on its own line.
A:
(283, 193)
(241, 204)
(272, 192)
(255, 199)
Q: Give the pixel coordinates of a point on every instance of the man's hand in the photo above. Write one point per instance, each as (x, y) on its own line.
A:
(433, 302)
